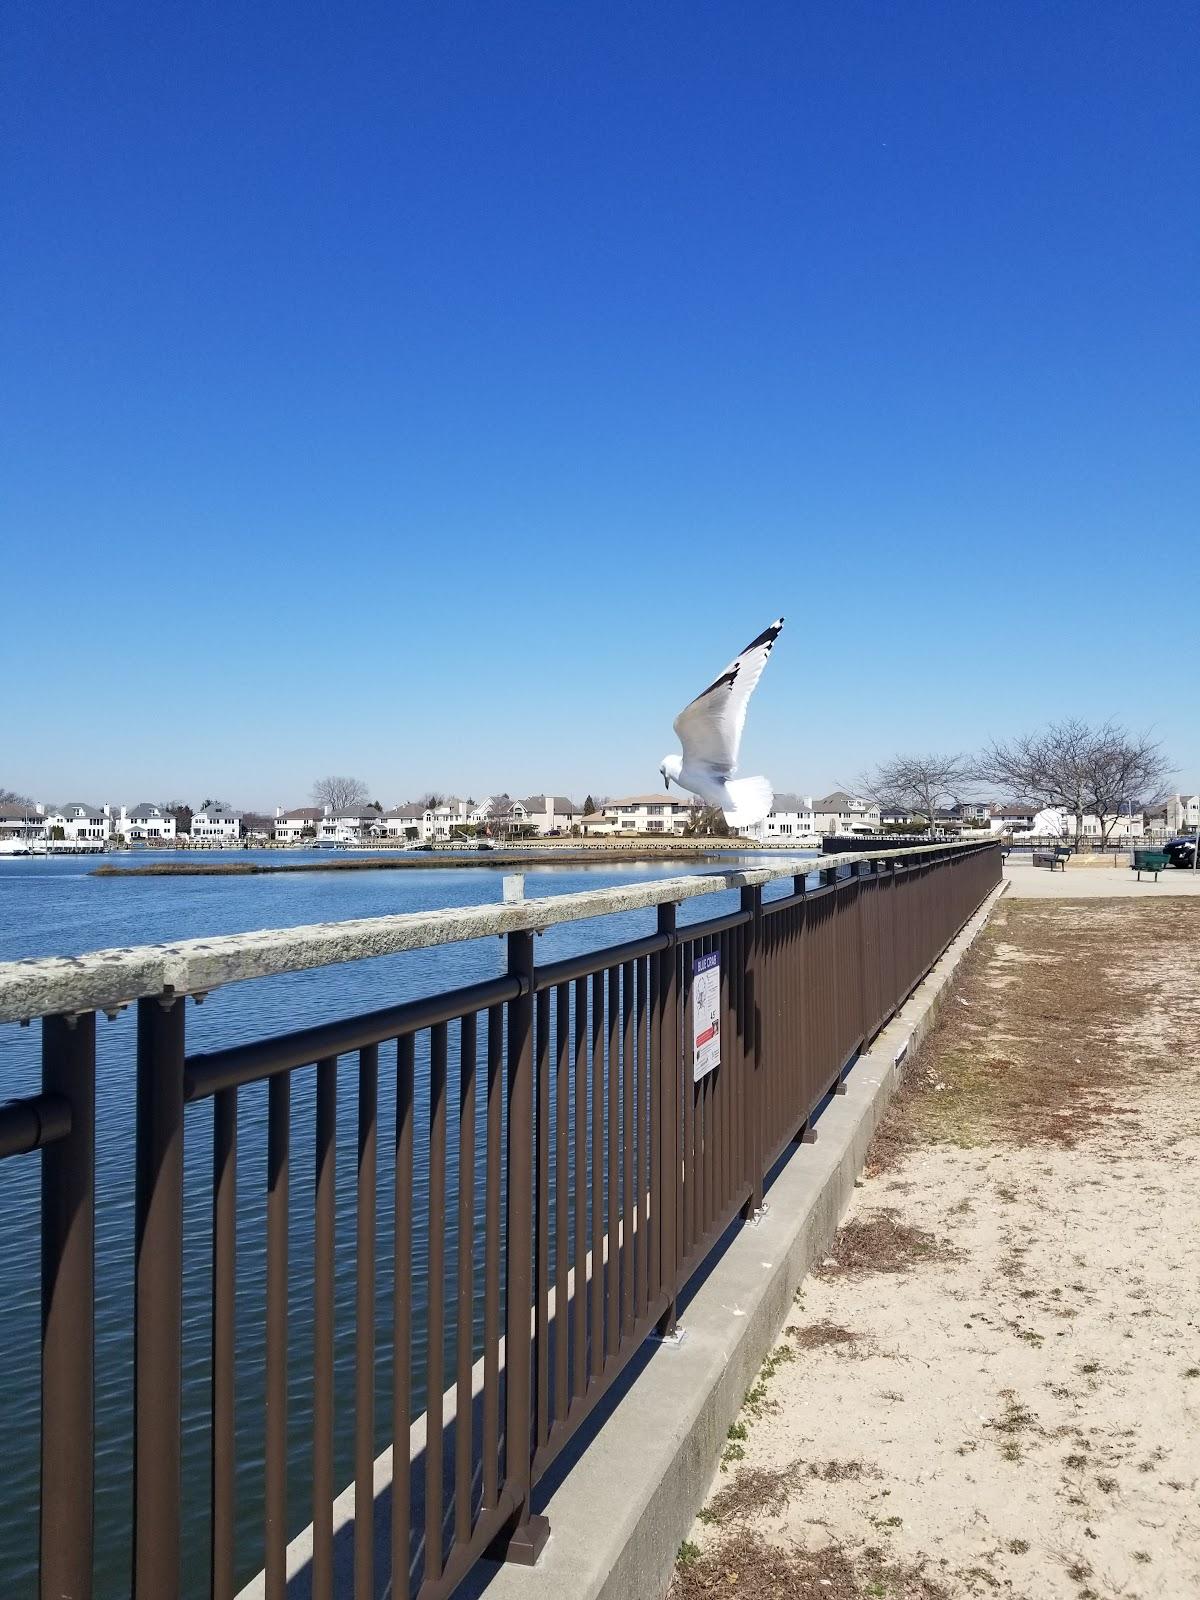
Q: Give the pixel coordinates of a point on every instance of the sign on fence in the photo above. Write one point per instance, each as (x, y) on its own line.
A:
(706, 1015)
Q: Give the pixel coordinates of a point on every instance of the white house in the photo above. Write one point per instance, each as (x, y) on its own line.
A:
(406, 823)
(642, 813)
(294, 827)
(840, 812)
(1011, 817)
(1056, 822)
(790, 818)
(551, 813)
(216, 824)
(82, 823)
(415, 821)
(350, 826)
(22, 819)
(1183, 813)
(146, 824)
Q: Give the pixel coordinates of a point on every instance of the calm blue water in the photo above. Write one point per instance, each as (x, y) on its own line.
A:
(56, 907)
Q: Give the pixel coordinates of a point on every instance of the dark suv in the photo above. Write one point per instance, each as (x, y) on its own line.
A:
(1181, 852)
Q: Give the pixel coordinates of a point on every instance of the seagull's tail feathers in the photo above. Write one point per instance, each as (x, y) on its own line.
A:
(748, 801)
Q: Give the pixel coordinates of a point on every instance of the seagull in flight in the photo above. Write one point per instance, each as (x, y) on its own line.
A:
(710, 731)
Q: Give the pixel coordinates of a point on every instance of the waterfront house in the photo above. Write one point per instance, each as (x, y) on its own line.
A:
(350, 826)
(840, 812)
(1007, 816)
(1182, 813)
(791, 817)
(216, 824)
(597, 824)
(406, 823)
(1056, 822)
(146, 824)
(551, 813)
(294, 827)
(645, 813)
(83, 823)
(22, 819)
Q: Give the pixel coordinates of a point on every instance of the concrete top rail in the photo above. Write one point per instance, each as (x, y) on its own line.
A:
(102, 980)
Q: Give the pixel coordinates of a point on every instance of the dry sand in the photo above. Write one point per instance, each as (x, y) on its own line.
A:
(992, 1386)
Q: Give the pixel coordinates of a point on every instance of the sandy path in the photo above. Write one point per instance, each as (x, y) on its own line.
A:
(993, 1385)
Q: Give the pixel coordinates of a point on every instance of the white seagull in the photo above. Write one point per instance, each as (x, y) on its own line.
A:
(710, 731)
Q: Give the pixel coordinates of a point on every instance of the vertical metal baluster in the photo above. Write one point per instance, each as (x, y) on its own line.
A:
(541, 1235)
(224, 1293)
(435, 1352)
(465, 1321)
(279, 1094)
(613, 1177)
(688, 1230)
(491, 1260)
(364, 1326)
(325, 1193)
(529, 1532)
(666, 1200)
(562, 1192)
(68, 1298)
(628, 1245)
(710, 1083)
(158, 1292)
(402, 1323)
(580, 1364)
(641, 1114)
(597, 1276)
(752, 902)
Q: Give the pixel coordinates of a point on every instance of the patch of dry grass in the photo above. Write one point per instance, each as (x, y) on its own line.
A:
(755, 1491)
(820, 1335)
(878, 1241)
(746, 1567)
(1055, 1057)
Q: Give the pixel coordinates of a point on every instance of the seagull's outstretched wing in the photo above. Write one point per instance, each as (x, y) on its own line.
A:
(710, 729)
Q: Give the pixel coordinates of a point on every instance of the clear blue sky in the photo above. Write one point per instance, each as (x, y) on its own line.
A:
(442, 393)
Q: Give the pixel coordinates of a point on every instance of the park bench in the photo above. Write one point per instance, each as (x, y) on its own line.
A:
(1051, 859)
(1154, 861)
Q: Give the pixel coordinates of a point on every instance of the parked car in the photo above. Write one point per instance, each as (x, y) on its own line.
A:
(1181, 852)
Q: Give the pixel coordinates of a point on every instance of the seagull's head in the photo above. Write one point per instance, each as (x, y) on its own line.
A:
(671, 767)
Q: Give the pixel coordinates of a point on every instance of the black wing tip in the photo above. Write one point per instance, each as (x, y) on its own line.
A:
(767, 637)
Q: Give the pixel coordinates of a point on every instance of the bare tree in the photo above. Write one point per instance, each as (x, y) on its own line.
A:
(1124, 768)
(1078, 768)
(257, 822)
(339, 794)
(10, 797)
(922, 784)
(707, 822)
(431, 801)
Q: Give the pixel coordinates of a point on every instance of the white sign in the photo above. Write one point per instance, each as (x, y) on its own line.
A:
(706, 1015)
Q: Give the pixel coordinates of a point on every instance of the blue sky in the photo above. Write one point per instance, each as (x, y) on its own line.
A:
(443, 393)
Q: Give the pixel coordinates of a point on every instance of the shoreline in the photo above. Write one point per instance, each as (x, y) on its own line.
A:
(435, 859)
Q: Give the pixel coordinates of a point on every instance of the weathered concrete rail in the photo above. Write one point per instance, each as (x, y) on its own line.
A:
(104, 979)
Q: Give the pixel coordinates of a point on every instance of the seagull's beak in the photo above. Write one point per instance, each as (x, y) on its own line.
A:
(666, 782)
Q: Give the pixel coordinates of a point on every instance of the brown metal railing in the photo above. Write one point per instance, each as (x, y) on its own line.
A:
(575, 1176)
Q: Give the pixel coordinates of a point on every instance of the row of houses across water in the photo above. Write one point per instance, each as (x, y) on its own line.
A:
(794, 819)
(86, 826)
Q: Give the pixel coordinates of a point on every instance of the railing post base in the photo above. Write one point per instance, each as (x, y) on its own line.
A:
(808, 1134)
(667, 1325)
(674, 1336)
(521, 1543)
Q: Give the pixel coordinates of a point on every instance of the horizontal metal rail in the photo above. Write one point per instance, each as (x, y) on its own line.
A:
(32, 1124)
(208, 1074)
